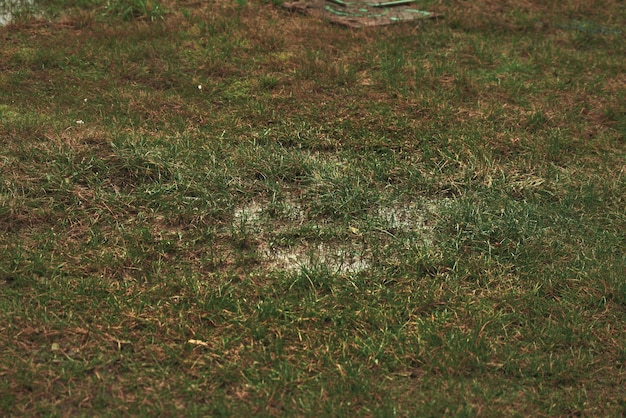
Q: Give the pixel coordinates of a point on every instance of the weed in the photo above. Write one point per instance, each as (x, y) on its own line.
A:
(136, 9)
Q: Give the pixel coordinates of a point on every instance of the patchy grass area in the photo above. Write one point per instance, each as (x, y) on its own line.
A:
(229, 209)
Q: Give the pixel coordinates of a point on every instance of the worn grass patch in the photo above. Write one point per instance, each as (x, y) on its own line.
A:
(229, 209)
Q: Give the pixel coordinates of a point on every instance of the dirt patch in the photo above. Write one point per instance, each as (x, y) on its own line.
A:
(351, 250)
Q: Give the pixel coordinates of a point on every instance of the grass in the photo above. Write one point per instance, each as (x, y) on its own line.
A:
(228, 209)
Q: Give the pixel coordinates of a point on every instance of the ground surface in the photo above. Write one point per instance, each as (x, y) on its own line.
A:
(230, 209)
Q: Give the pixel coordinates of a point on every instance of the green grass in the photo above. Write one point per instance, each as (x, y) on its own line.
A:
(229, 209)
